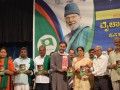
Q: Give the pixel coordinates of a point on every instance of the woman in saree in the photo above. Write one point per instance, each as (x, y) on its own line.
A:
(6, 69)
(81, 81)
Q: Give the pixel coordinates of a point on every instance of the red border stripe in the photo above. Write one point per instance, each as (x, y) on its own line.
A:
(42, 11)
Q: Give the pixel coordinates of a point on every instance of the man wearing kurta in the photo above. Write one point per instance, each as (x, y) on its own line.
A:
(114, 56)
(8, 70)
(60, 61)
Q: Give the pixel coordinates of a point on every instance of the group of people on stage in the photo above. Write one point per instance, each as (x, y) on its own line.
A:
(18, 70)
(61, 70)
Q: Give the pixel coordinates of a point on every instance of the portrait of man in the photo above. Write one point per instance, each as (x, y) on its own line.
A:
(79, 36)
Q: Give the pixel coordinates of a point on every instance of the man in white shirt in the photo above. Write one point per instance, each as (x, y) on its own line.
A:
(100, 72)
(23, 71)
(42, 80)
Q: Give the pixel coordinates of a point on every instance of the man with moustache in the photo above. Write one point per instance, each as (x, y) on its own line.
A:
(92, 54)
(23, 75)
(60, 61)
(79, 36)
(114, 56)
(72, 54)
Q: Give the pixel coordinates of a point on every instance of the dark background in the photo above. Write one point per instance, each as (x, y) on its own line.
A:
(16, 25)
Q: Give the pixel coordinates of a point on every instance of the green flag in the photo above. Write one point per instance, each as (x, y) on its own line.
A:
(47, 42)
(44, 35)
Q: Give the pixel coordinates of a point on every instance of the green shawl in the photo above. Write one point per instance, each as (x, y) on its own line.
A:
(4, 77)
(46, 64)
(30, 68)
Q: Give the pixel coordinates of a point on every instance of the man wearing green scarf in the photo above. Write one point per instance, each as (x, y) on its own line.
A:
(23, 71)
(42, 66)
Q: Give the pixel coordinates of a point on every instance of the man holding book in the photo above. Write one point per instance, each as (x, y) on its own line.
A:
(114, 64)
(23, 70)
(42, 66)
(60, 62)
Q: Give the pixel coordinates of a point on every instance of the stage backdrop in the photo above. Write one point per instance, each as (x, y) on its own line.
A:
(101, 17)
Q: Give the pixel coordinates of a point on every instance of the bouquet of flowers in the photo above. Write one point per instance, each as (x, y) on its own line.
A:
(2, 69)
(70, 72)
(40, 69)
(22, 68)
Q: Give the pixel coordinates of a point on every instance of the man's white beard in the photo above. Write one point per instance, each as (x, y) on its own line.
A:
(74, 26)
(117, 47)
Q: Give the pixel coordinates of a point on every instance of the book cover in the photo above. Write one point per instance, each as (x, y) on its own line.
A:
(64, 62)
(40, 69)
(2, 69)
(83, 70)
(118, 66)
(118, 63)
(70, 72)
(22, 68)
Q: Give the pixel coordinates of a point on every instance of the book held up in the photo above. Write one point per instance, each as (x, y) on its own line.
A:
(40, 69)
(2, 70)
(22, 68)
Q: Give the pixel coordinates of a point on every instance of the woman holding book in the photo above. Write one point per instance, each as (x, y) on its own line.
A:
(7, 69)
(81, 66)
